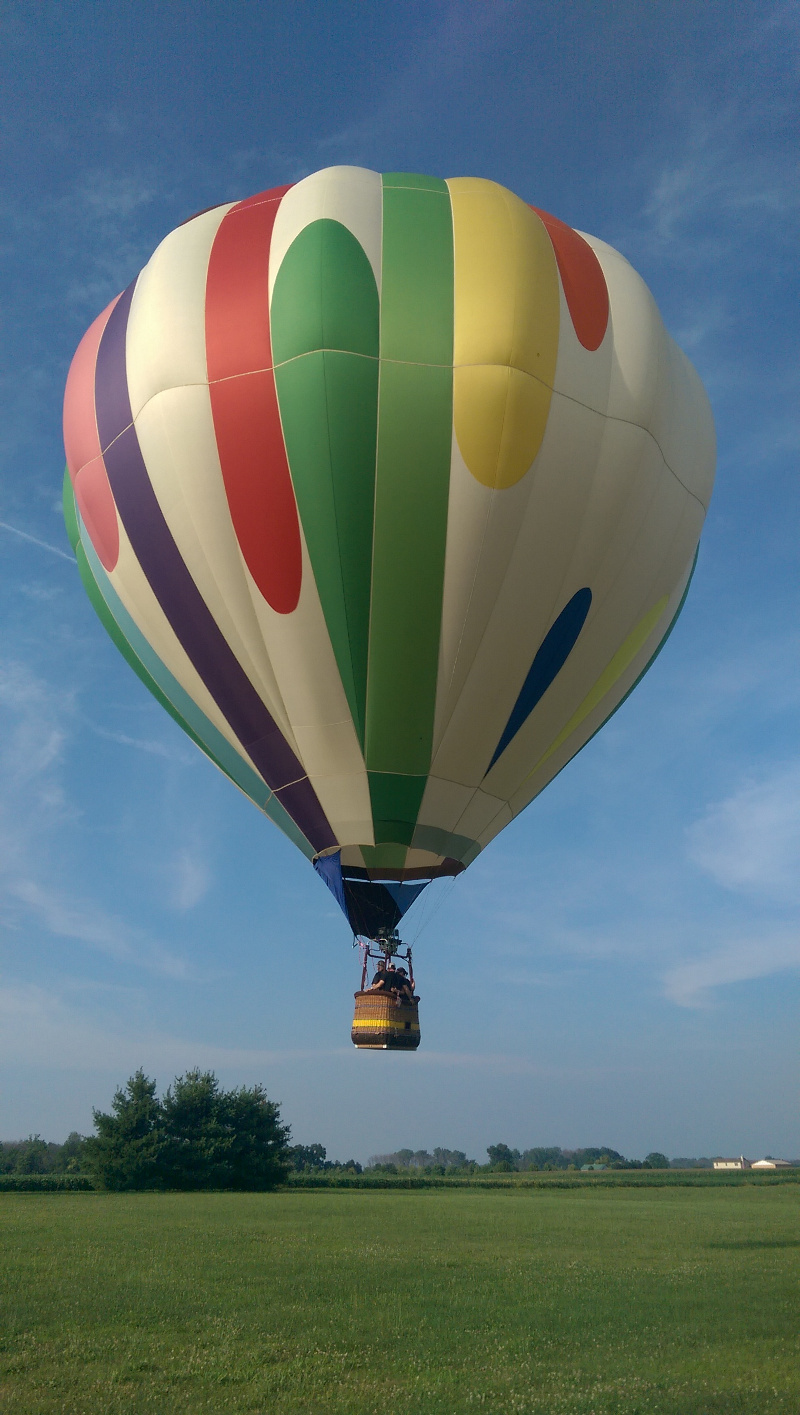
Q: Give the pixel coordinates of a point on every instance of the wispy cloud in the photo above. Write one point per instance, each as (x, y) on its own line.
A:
(718, 174)
(35, 723)
(692, 983)
(67, 917)
(717, 223)
(750, 841)
(441, 55)
(115, 208)
(191, 880)
(150, 745)
(34, 540)
(37, 1027)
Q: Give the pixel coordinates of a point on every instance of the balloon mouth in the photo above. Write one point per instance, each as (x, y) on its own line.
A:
(373, 901)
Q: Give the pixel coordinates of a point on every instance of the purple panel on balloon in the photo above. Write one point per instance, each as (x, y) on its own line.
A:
(179, 597)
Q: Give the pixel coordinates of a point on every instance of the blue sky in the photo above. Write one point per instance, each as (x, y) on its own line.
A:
(622, 966)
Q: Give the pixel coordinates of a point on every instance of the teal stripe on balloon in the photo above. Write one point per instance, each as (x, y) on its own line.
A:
(186, 712)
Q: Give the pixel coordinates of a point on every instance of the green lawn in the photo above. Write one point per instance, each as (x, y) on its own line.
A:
(592, 1301)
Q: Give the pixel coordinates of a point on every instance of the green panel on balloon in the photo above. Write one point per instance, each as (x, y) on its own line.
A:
(395, 805)
(384, 857)
(412, 483)
(70, 512)
(329, 404)
(325, 298)
(414, 180)
(444, 842)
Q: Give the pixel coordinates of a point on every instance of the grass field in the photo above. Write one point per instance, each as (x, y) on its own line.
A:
(682, 1301)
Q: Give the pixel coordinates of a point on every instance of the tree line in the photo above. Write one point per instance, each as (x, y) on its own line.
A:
(199, 1136)
(504, 1160)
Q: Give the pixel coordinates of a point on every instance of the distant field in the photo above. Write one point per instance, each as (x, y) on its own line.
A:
(594, 1301)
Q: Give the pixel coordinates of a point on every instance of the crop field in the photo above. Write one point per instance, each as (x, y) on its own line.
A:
(594, 1301)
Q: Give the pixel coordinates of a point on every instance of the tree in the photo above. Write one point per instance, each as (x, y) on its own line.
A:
(656, 1160)
(450, 1159)
(541, 1155)
(305, 1159)
(502, 1158)
(198, 1137)
(71, 1154)
(257, 1157)
(198, 1142)
(128, 1150)
(222, 1139)
(33, 1156)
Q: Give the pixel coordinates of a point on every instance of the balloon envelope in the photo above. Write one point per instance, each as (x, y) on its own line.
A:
(390, 489)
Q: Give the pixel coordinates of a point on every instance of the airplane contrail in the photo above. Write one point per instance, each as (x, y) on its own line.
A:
(54, 550)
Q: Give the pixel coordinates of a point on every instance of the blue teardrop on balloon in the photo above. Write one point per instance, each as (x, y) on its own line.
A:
(553, 652)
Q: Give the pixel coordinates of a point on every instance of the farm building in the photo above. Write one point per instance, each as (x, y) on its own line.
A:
(741, 1163)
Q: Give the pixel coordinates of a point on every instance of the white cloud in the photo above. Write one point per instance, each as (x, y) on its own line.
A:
(191, 880)
(690, 983)
(718, 174)
(750, 841)
(67, 917)
(39, 1028)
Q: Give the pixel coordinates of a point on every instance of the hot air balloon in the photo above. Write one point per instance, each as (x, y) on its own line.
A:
(389, 488)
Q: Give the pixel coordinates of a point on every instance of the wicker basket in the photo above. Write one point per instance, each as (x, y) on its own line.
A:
(381, 1024)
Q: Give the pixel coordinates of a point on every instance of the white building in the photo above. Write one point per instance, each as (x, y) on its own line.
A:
(770, 1164)
(741, 1163)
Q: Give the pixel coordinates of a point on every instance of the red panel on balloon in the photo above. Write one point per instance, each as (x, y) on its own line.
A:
(98, 511)
(82, 446)
(583, 280)
(81, 438)
(244, 402)
(272, 194)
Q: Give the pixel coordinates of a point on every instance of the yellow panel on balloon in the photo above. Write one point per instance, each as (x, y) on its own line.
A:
(506, 323)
